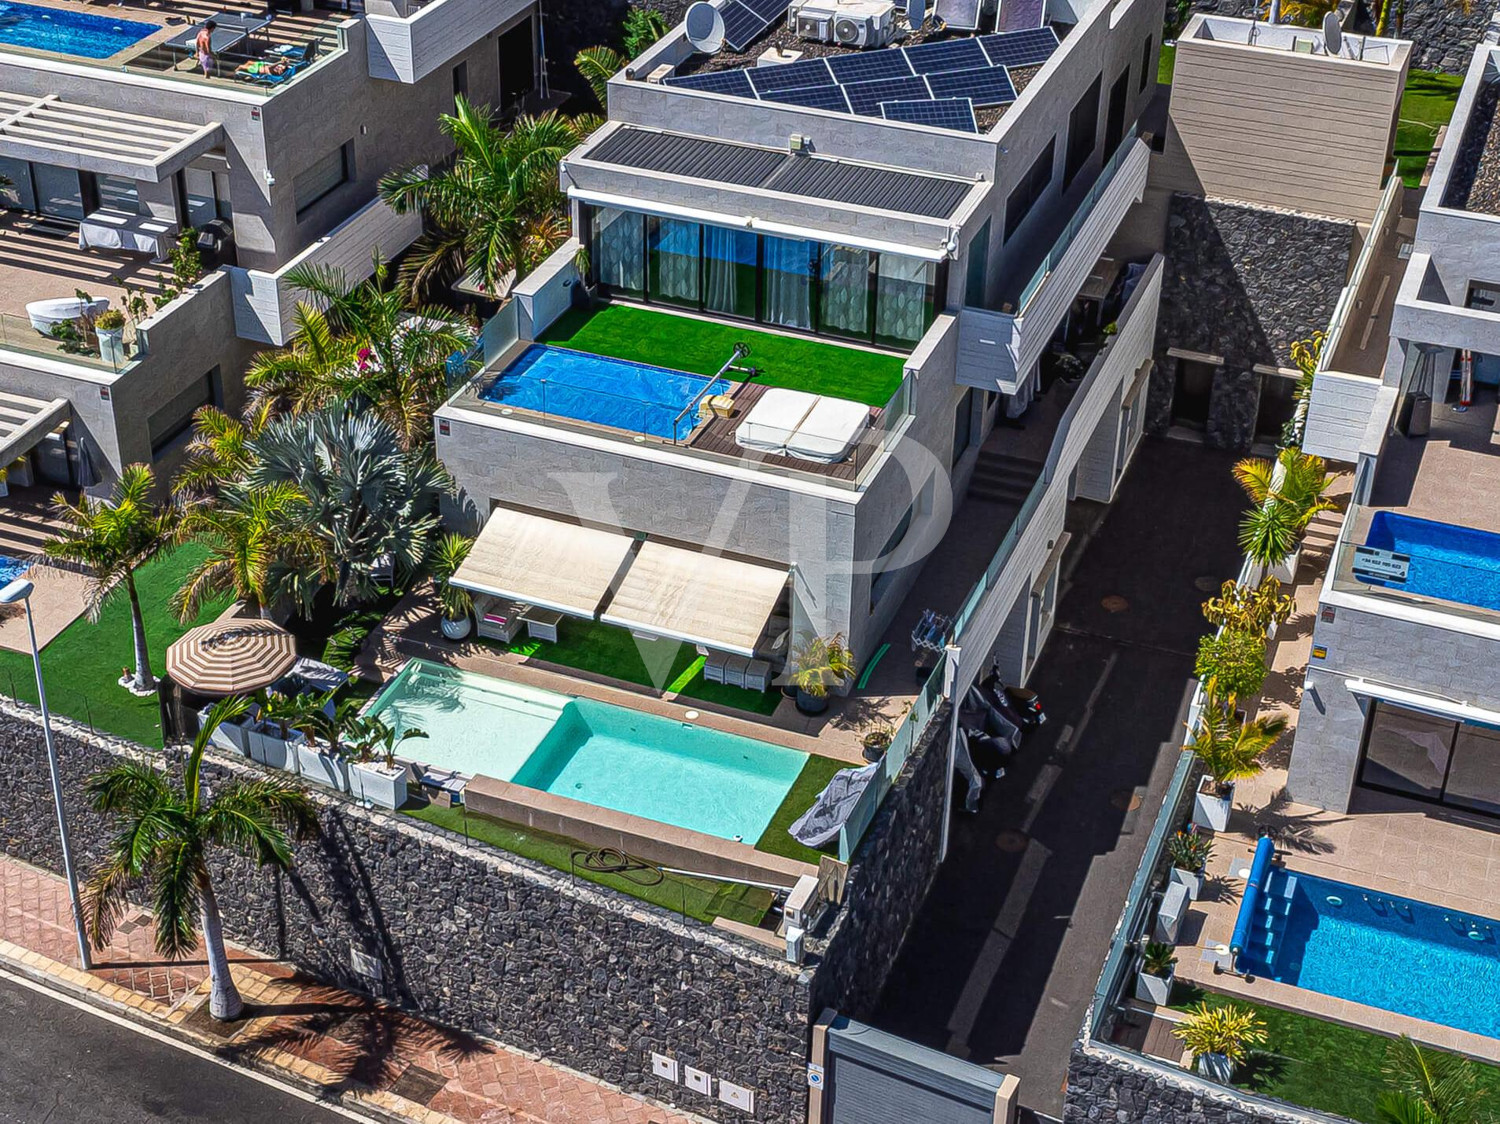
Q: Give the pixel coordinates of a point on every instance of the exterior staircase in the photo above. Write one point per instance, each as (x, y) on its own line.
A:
(1001, 478)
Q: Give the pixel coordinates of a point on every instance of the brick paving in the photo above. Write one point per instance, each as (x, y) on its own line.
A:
(352, 1048)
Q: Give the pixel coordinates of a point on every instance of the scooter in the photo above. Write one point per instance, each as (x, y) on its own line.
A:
(1027, 704)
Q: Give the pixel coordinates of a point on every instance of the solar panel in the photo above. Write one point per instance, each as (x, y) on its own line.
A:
(941, 113)
(791, 76)
(1021, 15)
(950, 54)
(768, 10)
(961, 15)
(870, 66)
(1020, 48)
(731, 82)
(865, 97)
(988, 85)
(812, 97)
(741, 25)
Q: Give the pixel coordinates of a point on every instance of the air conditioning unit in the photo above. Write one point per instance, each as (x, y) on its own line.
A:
(849, 23)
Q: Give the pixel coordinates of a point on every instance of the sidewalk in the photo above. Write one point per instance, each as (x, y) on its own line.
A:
(345, 1047)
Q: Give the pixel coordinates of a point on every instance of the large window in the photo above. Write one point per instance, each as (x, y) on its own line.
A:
(845, 307)
(729, 268)
(1083, 130)
(324, 177)
(1430, 757)
(787, 281)
(206, 195)
(1026, 193)
(977, 267)
(674, 261)
(905, 299)
(175, 419)
(618, 254)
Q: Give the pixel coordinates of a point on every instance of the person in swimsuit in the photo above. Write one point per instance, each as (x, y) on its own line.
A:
(205, 45)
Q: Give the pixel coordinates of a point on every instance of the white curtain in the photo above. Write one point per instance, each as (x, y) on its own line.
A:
(845, 304)
(903, 289)
(618, 258)
(788, 280)
(675, 245)
(729, 271)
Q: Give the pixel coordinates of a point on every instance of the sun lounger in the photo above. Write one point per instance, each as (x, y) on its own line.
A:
(829, 431)
(774, 419)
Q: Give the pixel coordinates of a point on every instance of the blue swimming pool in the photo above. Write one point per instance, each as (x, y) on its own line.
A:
(1448, 563)
(664, 770)
(11, 568)
(595, 388)
(69, 33)
(1399, 955)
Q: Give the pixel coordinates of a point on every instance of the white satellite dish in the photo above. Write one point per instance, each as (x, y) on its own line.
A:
(705, 27)
(1333, 34)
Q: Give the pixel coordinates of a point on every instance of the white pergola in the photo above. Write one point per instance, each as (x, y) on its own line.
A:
(25, 421)
(68, 134)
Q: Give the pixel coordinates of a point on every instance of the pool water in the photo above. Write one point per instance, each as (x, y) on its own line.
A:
(11, 568)
(641, 764)
(69, 33)
(1448, 563)
(595, 388)
(1408, 957)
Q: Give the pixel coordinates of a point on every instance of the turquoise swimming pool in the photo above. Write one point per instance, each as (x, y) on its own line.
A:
(642, 764)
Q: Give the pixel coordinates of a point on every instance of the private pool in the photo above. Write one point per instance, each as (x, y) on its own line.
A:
(1408, 957)
(664, 770)
(1448, 563)
(637, 397)
(69, 33)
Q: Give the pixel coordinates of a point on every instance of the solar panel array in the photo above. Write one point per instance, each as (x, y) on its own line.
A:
(744, 20)
(939, 74)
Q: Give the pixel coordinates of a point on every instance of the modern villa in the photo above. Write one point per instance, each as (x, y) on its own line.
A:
(114, 140)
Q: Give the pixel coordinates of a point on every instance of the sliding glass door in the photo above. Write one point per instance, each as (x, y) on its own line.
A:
(729, 269)
(1430, 757)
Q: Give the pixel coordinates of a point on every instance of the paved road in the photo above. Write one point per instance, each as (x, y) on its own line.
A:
(63, 1065)
(1003, 959)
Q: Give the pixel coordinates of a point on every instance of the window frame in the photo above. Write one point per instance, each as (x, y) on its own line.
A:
(1075, 156)
(345, 154)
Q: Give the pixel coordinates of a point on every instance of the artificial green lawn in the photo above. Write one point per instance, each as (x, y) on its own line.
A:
(812, 780)
(1426, 106)
(1165, 62)
(82, 663)
(1319, 1064)
(684, 344)
(702, 898)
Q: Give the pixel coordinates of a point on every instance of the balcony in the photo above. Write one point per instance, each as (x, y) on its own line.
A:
(408, 42)
(1426, 312)
(998, 349)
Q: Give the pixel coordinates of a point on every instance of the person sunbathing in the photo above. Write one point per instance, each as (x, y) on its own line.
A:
(259, 68)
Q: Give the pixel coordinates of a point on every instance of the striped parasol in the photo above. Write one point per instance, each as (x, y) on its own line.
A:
(231, 657)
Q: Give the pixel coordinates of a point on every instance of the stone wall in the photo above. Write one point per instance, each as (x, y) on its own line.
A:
(1242, 283)
(1108, 1085)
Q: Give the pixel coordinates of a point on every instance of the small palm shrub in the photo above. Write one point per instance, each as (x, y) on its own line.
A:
(1230, 749)
(1158, 959)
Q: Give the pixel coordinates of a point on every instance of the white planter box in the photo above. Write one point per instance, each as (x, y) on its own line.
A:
(1154, 989)
(1215, 1067)
(232, 737)
(372, 781)
(263, 743)
(1190, 880)
(315, 765)
(112, 346)
(1211, 810)
(1286, 571)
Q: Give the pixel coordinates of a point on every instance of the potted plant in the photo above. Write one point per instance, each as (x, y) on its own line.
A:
(1234, 661)
(457, 603)
(329, 764)
(1153, 984)
(382, 782)
(820, 663)
(1230, 750)
(1250, 608)
(109, 326)
(1189, 851)
(231, 735)
(877, 738)
(275, 738)
(1220, 1037)
(1287, 493)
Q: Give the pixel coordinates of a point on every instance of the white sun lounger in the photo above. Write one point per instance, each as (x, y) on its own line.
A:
(774, 419)
(829, 431)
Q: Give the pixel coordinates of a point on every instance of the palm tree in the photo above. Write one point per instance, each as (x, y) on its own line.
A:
(598, 65)
(497, 208)
(218, 453)
(168, 830)
(1304, 13)
(1229, 748)
(447, 556)
(111, 538)
(245, 530)
(1304, 479)
(303, 375)
(1430, 1087)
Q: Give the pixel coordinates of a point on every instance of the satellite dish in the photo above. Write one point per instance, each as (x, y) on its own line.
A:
(705, 27)
(916, 13)
(1333, 34)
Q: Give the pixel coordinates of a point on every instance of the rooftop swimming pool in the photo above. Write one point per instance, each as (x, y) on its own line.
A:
(1448, 563)
(595, 388)
(642, 764)
(69, 33)
(1409, 957)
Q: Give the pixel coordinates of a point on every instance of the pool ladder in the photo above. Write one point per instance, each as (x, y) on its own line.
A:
(1383, 906)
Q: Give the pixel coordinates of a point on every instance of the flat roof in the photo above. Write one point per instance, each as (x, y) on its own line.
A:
(815, 177)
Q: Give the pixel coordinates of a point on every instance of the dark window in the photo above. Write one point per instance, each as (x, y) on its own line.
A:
(174, 419)
(517, 64)
(1430, 757)
(1114, 121)
(1025, 194)
(963, 425)
(1146, 62)
(979, 258)
(461, 81)
(1083, 131)
(887, 574)
(324, 177)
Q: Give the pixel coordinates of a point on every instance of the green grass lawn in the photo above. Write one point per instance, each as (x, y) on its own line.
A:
(700, 347)
(1426, 106)
(1165, 62)
(812, 780)
(82, 663)
(1319, 1064)
(702, 898)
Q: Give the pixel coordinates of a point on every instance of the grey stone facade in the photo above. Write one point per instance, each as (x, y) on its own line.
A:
(482, 940)
(1242, 283)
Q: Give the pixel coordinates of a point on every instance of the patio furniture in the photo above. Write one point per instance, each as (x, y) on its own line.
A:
(541, 624)
(230, 30)
(231, 657)
(444, 787)
(758, 676)
(498, 619)
(734, 671)
(44, 315)
(713, 667)
(131, 231)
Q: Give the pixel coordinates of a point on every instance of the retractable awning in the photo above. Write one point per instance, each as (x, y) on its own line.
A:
(1428, 704)
(25, 421)
(69, 134)
(544, 562)
(703, 599)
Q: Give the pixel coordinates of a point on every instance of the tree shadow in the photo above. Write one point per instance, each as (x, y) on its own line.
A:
(1294, 831)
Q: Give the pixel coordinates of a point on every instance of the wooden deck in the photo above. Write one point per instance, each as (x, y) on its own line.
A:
(717, 436)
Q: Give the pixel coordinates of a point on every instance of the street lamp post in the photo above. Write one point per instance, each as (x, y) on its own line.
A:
(20, 590)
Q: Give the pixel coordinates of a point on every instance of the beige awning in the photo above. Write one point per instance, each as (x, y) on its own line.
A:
(98, 139)
(544, 562)
(25, 421)
(703, 599)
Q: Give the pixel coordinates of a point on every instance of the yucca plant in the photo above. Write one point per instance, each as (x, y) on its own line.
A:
(1158, 959)
(820, 662)
(1190, 850)
(1229, 748)
(1228, 1030)
(1269, 533)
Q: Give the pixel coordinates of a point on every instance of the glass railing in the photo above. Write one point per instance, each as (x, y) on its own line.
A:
(73, 343)
(1081, 215)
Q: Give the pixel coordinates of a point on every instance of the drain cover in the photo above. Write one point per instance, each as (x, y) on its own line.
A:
(1126, 799)
(1114, 603)
(1207, 583)
(1012, 841)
